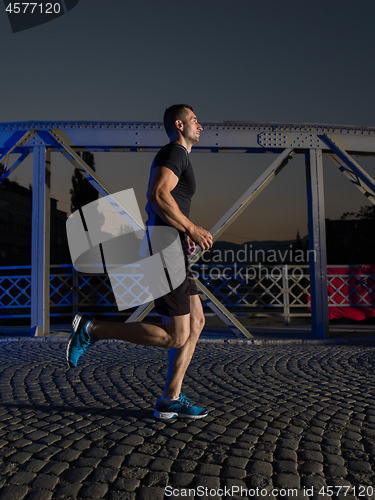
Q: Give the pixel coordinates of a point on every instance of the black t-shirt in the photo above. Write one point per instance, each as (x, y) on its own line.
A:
(176, 158)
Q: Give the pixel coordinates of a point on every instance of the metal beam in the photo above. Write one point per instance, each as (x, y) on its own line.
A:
(141, 312)
(217, 137)
(19, 143)
(40, 253)
(92, 177)
(349, 174)
(222, 312)
(338, 146)
(11, 147)
(317, 244)
(11, 169)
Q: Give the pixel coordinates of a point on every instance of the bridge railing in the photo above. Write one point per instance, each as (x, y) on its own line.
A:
(268, 290)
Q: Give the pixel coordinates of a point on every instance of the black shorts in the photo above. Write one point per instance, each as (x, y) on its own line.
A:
(177, 302)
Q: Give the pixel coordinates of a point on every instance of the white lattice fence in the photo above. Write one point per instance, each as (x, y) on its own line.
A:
(283, 289)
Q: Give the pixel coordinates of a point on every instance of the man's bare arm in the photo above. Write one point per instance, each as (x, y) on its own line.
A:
(163, 181)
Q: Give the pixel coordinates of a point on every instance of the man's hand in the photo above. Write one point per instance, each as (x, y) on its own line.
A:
(190, 246)
(201, 237)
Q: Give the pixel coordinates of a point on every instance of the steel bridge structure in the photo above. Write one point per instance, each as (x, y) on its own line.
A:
(339, 143)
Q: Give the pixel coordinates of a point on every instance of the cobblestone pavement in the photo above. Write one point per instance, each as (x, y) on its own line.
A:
(283, 417)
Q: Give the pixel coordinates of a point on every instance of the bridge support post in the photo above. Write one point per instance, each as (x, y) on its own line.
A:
(40, 253)
(317, 244)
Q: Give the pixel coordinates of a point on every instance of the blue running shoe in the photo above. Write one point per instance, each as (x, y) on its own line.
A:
(182, 408)
(80, 339)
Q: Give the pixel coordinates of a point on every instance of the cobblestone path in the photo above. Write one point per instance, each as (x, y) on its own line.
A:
(283, 417)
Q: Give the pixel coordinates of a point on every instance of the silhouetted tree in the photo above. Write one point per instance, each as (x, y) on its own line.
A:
(82, 191)
(364, 213)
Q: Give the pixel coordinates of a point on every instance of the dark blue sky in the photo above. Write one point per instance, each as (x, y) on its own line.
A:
(272, 60)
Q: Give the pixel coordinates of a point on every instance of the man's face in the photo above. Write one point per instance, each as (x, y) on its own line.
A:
(191, 129)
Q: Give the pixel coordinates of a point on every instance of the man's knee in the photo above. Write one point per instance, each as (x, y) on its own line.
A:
(197, 323)
(178, 332)
(179, 341)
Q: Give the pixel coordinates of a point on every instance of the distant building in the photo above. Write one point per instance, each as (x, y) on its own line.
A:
(15, 227)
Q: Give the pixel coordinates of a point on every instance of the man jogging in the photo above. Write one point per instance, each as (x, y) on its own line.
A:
(170, 189)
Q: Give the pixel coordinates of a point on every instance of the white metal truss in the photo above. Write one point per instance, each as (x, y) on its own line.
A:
(317, 242)
(338, 142)
(40, 242)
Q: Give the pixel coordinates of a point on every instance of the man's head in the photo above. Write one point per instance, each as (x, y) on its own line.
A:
(173, 113)
(182, 125)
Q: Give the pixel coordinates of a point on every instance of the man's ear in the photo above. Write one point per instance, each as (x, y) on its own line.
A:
(179, 125)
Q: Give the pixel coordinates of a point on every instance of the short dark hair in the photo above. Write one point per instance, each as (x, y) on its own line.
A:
(173, 113)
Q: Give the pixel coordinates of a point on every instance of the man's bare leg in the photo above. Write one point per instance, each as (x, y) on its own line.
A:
(173, 335)
(179, 358)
